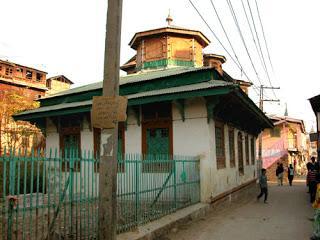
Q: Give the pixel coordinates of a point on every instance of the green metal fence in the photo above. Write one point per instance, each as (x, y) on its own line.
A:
(54, 195)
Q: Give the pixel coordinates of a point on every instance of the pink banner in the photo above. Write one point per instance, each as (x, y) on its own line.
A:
(273, 154)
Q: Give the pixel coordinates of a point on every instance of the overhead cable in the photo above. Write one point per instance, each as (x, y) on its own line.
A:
(264, 36)
(242, 38)
(214, 34)
(257, 36)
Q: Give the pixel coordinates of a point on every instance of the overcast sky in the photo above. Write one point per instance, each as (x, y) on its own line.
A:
(67, 37)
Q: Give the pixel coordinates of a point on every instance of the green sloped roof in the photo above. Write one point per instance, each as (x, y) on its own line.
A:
(175, 90)
(133, 78)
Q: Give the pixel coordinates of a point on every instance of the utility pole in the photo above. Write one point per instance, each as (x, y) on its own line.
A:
(261, 101)
(109, 137)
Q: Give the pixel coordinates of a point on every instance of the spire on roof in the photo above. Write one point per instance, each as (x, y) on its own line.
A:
(169, 19)
(286, 111)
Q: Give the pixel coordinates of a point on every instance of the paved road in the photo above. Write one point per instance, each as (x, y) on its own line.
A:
(285, 217)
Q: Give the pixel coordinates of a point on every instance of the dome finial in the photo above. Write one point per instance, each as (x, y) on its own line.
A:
(169, 19)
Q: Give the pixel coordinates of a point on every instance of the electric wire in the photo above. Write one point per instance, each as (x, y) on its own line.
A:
(257, 36)
(253, 38)
(214, 34)
(264, 36)
(224, 30)
(242, 38)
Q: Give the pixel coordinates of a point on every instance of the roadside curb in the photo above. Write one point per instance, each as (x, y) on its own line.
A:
(164, 224)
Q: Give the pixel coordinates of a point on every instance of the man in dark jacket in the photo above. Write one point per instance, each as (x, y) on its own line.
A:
(263, 182)
(312, 183)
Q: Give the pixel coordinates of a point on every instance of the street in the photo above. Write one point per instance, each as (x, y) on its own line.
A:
(286, 216)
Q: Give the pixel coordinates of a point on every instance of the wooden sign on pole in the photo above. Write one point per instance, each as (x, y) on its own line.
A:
(107, 111)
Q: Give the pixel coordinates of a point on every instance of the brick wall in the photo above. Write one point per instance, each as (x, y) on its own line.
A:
(29, 93)
(271, 171)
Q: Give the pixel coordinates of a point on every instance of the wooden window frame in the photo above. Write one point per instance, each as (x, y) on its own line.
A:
(221, 160)
(240, 153)
(157, 122)
(247, 142)
(232, 151)
(29, 74)
(253, 155)
(66, 131)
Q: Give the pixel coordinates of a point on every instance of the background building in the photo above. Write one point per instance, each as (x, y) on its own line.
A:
(315, 104)
(20, 86)
(286, 143)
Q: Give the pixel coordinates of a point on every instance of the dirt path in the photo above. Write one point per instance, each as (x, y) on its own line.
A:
(285, 217)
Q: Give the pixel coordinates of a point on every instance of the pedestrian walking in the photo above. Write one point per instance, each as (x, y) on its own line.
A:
(279, 174)
(312, 183)
(316, 206)
(290, 174)
(312, 163)
(263, 182)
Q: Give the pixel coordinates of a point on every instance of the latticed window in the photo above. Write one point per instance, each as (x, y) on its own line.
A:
(247, 150)
(240, 154)
(231, 148)
(220, 151)
(157, 140)
(253, 155)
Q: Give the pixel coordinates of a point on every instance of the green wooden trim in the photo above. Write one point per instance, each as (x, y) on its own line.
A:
(71, 98)
(184, 95)
(169, 82)
(165, 63)
(62, 112)
(132, 102)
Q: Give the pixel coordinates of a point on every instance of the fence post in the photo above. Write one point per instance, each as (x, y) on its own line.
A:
(137, 190)
(11, 199)
(175, 182)
(73, 155)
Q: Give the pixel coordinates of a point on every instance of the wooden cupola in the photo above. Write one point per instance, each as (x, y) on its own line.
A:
(170, 46)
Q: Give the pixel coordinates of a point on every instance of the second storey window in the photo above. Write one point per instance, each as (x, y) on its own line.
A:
(38, 77)
(9, 71)
(28, 74)
(220, 150)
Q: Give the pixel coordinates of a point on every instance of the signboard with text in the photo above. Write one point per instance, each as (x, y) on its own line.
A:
(107, 111)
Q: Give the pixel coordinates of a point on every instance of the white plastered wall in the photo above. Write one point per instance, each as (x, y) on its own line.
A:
(191, 138)
(52, 138)
(196, 137)
(133, 135)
